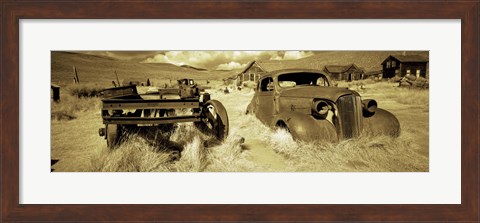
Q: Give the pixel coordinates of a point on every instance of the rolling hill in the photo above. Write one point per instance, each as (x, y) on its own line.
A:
(101, 70)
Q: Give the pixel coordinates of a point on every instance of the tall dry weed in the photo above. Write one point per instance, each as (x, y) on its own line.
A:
(84, 90)
(69, 106)
(134, 155)
(193, 157)
(366, 153)
(199, 153)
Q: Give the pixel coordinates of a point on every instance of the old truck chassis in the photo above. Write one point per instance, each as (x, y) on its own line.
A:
(123, 109)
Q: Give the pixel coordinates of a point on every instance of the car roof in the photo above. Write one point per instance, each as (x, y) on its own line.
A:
(276, 73)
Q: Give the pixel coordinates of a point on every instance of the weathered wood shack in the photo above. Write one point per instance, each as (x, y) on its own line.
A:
(255, 69)
(401, 66)
(348, 72)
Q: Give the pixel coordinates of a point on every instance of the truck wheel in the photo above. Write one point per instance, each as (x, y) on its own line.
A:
(214, 120)
(113, 135)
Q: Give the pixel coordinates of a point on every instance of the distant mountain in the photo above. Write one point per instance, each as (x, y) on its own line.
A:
(192, 67)
(101, 70)
(88, 55)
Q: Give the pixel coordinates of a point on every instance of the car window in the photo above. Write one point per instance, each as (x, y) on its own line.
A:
(287, 83)
(321, 81)
(265, 83)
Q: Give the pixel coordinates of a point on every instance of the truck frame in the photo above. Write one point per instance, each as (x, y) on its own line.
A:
(124, 109)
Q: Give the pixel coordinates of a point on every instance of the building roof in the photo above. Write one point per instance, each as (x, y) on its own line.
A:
(340, 68)
(270, 65)
(407, 58)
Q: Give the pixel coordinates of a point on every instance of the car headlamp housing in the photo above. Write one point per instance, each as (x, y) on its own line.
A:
(320, 108)
(369, 107)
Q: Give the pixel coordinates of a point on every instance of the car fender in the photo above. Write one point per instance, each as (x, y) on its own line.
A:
(381, 123)
(304, 127)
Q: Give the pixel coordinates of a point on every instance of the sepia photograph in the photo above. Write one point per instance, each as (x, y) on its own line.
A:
(239, 111)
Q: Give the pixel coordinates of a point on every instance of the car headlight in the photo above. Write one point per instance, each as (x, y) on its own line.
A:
(320, 108)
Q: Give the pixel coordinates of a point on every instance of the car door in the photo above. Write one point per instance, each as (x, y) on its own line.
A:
(265, 100)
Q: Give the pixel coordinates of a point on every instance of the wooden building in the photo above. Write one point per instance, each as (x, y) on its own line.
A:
(348, 72)
(401, 66)
(255, 69)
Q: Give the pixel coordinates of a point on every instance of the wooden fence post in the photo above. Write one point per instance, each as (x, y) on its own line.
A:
(118, 81)
(76, 74)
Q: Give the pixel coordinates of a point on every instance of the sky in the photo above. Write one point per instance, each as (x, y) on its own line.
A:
(212, 60)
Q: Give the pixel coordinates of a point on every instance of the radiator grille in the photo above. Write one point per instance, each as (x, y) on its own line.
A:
(350, 116)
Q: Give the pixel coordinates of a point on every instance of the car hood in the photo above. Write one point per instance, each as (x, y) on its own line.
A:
(329, 93)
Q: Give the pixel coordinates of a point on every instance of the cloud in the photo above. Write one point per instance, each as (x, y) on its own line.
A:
(294, 55)
(276, 57)
(222, 59)
(230, 66)
(193, 58)
(159, 58)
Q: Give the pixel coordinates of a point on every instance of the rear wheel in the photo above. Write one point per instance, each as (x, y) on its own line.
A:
(113, 135)
(214, 120)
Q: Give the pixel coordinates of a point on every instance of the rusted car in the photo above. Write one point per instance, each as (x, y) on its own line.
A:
(306, 104)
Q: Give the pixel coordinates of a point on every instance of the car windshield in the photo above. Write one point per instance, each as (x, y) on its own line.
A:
(302, 78)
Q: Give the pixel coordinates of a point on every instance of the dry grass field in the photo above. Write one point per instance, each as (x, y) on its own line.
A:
(77, 146)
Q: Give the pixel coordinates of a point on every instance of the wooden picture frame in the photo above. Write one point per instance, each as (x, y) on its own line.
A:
(13, 11)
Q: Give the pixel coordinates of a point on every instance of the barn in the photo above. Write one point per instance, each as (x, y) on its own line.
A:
(344, 72)
(405, 65)
(255, 69)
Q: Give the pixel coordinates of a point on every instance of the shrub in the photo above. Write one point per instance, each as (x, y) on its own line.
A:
(411, 77)
(411, 96)
(395, 79)
(69, 106)
(84, 90)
